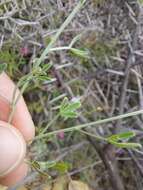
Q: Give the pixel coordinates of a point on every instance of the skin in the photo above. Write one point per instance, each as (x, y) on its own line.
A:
(14, 136)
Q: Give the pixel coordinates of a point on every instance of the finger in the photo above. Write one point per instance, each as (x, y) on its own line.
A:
(21, 118)
(12, 148)
(15, 176)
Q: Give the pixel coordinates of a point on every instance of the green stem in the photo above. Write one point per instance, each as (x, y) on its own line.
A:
(61, 29)
(103, 121)
(42, 57)
(16, 98)
(49, 124)
(100, 138)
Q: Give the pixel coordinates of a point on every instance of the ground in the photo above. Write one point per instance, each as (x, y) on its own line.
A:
(106, 76)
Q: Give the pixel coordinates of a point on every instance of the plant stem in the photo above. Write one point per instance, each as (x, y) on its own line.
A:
(102, 121)
(61, 29)
(49, 124)
(16, 98)
(100, 138)
(43, 56)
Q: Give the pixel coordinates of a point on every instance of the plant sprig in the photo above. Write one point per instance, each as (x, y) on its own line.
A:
(68, 109)
(90, 124)
(26, 80)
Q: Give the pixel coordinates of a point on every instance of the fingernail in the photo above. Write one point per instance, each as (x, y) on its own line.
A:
(12, 148)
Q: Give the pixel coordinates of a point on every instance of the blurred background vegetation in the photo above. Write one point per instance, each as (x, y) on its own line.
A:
(108, 82)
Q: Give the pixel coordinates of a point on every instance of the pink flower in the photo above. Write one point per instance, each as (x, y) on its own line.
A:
(61, 135)
(24, 51)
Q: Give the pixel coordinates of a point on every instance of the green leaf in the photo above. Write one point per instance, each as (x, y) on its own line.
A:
(35, 164)
(114, 139)
(3, 67)
(44, 78)
(122, 136)
(80, 53)
(69, 114)
(46, 67)
(68, 109)
(62, 167)
(47, 164)
(73, 106)
(125, 145)
(64, 104)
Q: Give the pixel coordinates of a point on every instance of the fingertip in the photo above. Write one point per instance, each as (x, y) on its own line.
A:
(15, 176)
(12, 148)
(21, 119)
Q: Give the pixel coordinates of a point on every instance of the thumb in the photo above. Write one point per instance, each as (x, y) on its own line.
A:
(12, 148)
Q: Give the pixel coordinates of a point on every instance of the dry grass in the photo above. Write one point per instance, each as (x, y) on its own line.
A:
(108, 83)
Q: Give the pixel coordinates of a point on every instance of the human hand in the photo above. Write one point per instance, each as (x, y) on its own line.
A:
(13, 137)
